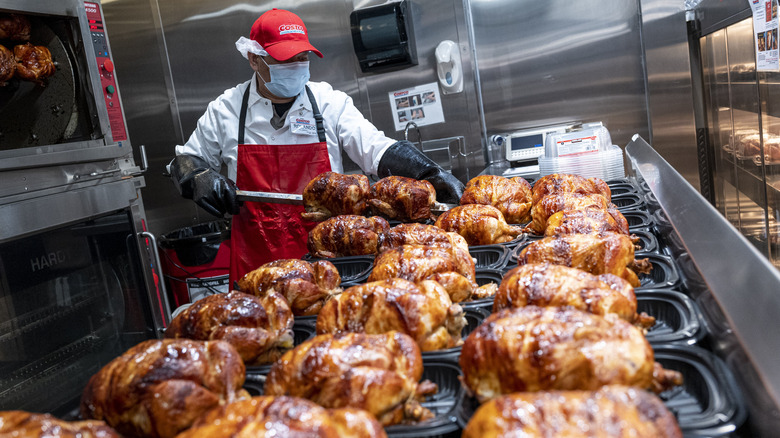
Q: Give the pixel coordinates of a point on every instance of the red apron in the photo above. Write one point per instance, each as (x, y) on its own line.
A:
(264, 232)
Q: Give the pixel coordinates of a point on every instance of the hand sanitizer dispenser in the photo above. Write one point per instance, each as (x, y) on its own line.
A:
(449, 68)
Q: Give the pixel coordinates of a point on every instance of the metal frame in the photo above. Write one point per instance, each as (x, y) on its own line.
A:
(742, 282)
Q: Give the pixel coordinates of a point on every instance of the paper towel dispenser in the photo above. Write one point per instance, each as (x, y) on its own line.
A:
(383, 36)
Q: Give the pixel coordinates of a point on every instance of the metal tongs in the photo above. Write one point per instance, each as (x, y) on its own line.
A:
(291, 198)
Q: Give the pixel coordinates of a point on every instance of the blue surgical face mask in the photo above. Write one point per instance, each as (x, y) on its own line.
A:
(287, 80)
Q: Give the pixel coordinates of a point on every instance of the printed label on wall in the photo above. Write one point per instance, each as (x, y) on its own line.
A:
(765, 25)
(421, 105)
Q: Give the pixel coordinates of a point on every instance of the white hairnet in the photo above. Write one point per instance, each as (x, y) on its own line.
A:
(245, 45)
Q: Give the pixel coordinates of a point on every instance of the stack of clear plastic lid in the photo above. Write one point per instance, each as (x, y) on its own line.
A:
(588, 152)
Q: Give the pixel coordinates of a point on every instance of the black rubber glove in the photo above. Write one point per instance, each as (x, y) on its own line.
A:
(403, 159)
(195, 180)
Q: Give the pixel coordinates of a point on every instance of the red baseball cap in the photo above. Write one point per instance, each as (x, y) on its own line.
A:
(282, 34)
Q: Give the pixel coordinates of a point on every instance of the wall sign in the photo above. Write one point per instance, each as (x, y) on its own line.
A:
(421, 105)
(765, 24)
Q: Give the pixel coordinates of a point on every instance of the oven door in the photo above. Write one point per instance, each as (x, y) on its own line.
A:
(78, 288)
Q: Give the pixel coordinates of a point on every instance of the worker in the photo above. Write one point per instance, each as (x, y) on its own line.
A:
(277, 131)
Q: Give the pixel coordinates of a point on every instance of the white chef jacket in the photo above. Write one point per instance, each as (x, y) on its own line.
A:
(215, 138)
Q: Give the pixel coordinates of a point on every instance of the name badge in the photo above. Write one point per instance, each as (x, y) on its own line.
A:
(302, 126)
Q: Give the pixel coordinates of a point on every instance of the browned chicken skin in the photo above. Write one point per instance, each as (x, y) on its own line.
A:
(21, 424)
(512, 197)
(430, 235)
(33, 63)
(306, 286)
(607, 253)
(378, 373)
(611, 412)
(7, 65)
(14, 27)
(404, 199)
(542, 348)
(478, 224)
(569, 183)
(555, 202)
(347, 235)
(266, 416)
(333, 194)
(420, 262)
(259, 328)
(546, 285)
(586, 221)
(159, 387)
(423, 311)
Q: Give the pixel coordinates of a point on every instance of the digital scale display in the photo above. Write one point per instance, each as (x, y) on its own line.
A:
(527, 142)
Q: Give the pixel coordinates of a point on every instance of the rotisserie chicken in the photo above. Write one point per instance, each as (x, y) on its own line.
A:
(423, 311)
(14, 27)
(333, 194)
(512, 197)
(378, 373)
(158, 388)
(420, 262)
(546, 285)
(430, 235)
(21, 424)
(404, 199)
(541, 348)
(33, 63)
(260, 328)
(7, 65)
(606, 253)
(586, 221)
(347, 235)
(569, 183)
(306, 286)
(553, 203)
(267, 417)
(613, 411)
(478, 224)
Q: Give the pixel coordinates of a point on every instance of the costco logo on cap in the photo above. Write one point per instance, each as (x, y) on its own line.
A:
(291, 28)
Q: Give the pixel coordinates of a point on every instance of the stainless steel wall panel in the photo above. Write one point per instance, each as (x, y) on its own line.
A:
(558, 61)
(669, 85)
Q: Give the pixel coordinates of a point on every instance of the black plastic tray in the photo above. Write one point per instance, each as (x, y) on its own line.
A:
(647, 241)
(490, 256)
(622, 188)
(474, 317)
(352, 269)
(709, 403)
(302, 331)
(620, 181)
(677, 317)
(485, 276)
(664, 274)
(629, 202)
(443, 404)
(638, 219)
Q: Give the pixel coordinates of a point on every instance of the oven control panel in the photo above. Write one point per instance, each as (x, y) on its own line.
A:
(108, 83)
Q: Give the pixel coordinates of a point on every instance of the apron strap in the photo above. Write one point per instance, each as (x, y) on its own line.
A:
(242, 115)
(314, 107)
(317, 115)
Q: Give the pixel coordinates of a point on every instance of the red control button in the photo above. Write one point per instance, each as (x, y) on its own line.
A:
(108, 65)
